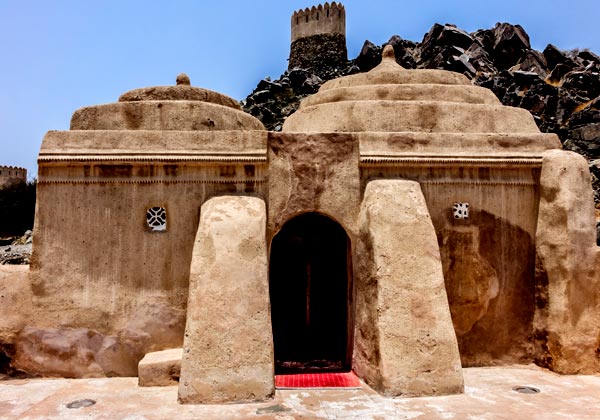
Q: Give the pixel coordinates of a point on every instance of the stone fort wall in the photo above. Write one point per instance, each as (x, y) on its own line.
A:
(12, 175)
(322, 19)
(318, 37)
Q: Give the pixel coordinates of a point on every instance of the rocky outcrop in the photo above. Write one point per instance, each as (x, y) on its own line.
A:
(18, 251)
(319, 51)
(560, 88)
(273, 101)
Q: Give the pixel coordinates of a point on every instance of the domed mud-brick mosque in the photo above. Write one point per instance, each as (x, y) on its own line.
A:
(403, 225)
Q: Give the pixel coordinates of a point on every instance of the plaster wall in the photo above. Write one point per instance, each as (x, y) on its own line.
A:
(489, 258)
(489, 267)
(106, 197)
(313, 173)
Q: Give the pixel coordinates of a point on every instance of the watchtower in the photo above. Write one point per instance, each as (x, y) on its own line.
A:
(12, 175)
(318, 37)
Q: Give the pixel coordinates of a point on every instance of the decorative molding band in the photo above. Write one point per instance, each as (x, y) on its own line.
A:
(45, 158)
(150, 181)
(480, 183)
(448, 161)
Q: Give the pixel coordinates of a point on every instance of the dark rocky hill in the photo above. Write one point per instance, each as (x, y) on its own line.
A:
(560, 88)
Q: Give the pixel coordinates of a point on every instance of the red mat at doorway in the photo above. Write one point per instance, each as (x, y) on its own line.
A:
(317, 380)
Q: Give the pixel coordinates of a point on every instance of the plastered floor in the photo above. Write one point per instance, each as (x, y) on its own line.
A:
(488, 395)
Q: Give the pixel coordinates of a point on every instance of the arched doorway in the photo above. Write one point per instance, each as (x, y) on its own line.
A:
(310, 283)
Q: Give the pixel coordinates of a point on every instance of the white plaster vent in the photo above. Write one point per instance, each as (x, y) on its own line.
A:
(461, 210)
(156, 218)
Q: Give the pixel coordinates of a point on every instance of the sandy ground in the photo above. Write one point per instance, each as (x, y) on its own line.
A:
(488, 394)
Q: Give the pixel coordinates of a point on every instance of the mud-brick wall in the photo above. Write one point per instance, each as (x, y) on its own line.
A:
(489, 257)
(95, 256)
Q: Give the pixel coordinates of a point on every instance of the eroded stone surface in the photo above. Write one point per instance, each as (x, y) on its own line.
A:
(160, 368)
(79, 352)
(569, 260)
(471, 282)
(71, 353)
(15, 292)
(404, 340)
(313, 172)
(228, 344)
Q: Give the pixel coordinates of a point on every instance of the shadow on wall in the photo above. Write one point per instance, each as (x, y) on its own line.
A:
(482, 288)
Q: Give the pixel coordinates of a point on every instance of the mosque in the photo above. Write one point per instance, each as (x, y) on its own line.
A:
(403, 225)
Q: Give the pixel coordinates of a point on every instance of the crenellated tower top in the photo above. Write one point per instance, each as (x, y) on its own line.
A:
(12, 175)
(318, 20)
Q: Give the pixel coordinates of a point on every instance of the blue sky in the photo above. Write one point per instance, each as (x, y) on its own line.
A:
(57, 56)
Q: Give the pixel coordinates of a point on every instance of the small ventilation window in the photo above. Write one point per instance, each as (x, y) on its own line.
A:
(156, 218)
(461, 210)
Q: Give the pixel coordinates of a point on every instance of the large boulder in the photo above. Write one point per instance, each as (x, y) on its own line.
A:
(369, 57)
(510, 42)
(554, 57)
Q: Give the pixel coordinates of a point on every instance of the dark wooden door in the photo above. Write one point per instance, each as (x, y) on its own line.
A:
(310, 289)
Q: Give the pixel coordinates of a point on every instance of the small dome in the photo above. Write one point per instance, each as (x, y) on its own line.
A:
(181, 107)
(390, 98)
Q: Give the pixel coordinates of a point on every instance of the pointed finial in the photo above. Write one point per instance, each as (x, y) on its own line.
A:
(182, 79)
(388, 61)
(388, 53)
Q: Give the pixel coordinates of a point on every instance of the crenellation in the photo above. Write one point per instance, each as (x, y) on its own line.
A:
(319, 20)
(318, 36)
(12, 175)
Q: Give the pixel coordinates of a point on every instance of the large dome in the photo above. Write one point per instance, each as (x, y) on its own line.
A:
(181, 107)
(390, 98)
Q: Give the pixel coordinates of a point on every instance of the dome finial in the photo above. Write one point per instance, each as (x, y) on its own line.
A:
(388, 53)
(182, 79)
